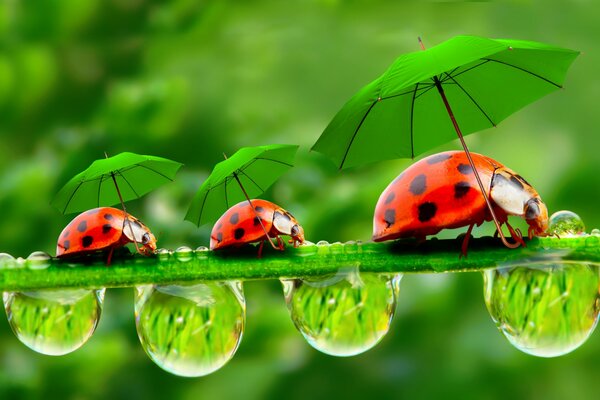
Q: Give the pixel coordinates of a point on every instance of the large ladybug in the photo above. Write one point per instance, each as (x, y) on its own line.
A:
(441, 191)
(103, 228)
(241, 225)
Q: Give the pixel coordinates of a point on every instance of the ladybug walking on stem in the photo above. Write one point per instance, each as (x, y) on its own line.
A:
(101, 229)
(440, 192)
(241, 224)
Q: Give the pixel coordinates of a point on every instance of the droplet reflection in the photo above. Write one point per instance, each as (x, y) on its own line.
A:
(190, 330)
(344, 314)
(547, 310)
(54, 322)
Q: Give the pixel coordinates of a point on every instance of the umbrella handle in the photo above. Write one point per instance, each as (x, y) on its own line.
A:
(112, 174)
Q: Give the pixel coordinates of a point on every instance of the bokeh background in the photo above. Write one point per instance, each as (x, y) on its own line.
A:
(189, 80)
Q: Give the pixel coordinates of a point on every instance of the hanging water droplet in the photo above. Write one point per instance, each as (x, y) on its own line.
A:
(343, 314)
(566, 223)
(54, 322)
(190, 330)
(39, 260)
(183, 253)
(544, 310)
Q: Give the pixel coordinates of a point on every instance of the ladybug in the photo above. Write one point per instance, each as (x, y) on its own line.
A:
(103, 228)
(241, 225)
(441, 192)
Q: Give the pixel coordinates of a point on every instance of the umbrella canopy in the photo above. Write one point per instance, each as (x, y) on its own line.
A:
(246, 174)
(133, 175)
(401, 114)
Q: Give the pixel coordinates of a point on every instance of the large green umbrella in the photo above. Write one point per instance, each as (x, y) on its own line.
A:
(114, 180)
(246, 174)
(428, 97)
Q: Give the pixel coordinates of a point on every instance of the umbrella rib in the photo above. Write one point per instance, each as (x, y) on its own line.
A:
(99, 187)
(226, 201)
(525, 70)
(252, 180)
(356, 132)
(125, 179)
(155, 171)
(270, 159)
(473, 100)
(425, 91)
(412, 110)
(72, 195)
(449, 74)
(485, 61)
(404, 93)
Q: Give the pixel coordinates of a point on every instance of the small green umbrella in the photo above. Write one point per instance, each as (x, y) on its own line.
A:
(114, 180)
(246, 174)
(427, 98)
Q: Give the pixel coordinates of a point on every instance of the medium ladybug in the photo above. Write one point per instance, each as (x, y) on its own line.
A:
(103, 228)
(241, 225)
(441, 191)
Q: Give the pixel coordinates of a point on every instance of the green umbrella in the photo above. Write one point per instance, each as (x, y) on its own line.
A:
(244, 175)
(114, 180)
(428, 97)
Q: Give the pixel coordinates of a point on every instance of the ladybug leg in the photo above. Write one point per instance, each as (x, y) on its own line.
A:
(516, 235)
(110, 253)
(260, 248)
(465, 243)
(280, 244)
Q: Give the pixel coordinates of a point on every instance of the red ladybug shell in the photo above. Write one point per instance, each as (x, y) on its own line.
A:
(95, 229)
(435, 193)
(239, 225)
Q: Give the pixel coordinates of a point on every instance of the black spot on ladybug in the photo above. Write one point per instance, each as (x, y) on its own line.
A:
(220, 237)
(220, 225)
(438, 158)
(389, 217)
(66, 234)
(427, 211)
(106, 228)
(87, 241)
(93, 211)
(464, 169)
(418, 185)
(108, 217)
(82, 226)
(256, 221)
(259, 209)
(234, 218)
(238, 233)
(390, 198)
(461, 189)
(67, 244)
(516, 182)
(522, 179)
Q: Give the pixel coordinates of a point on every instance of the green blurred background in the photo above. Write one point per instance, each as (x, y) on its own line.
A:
(189, 80)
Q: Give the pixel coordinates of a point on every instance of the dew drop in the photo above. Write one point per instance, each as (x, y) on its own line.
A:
(322, 243)
(190, 330)
(183, 253)
(566, 223)
(343, 314)
(546, 311)
(54, 322)
(39, 260)
(163, 254)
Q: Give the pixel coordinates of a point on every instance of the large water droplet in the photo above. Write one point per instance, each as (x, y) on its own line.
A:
(39, 260)
(54, 322)
(183, 253)
(190, 330)
(546, 310)
(343, 314)
(566, 223)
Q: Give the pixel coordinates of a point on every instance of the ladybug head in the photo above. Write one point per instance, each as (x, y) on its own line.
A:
(286, 224)
(536, 215)
(136, 231)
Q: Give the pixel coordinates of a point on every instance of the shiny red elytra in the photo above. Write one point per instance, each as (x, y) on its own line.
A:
(441, 192)
(101, 229)
(241, 225)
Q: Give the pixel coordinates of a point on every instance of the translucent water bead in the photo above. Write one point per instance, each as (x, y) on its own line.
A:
(566, 223)
(54, 322)
(344, 314)
(190, 330)
(544, 310)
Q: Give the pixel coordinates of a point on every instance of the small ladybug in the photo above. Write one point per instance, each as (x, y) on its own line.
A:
(103, 228)
(241, 225)
(441, 192)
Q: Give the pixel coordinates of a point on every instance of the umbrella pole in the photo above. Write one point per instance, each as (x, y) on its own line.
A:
(254, 210)
(112, 174)
(517, 243)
